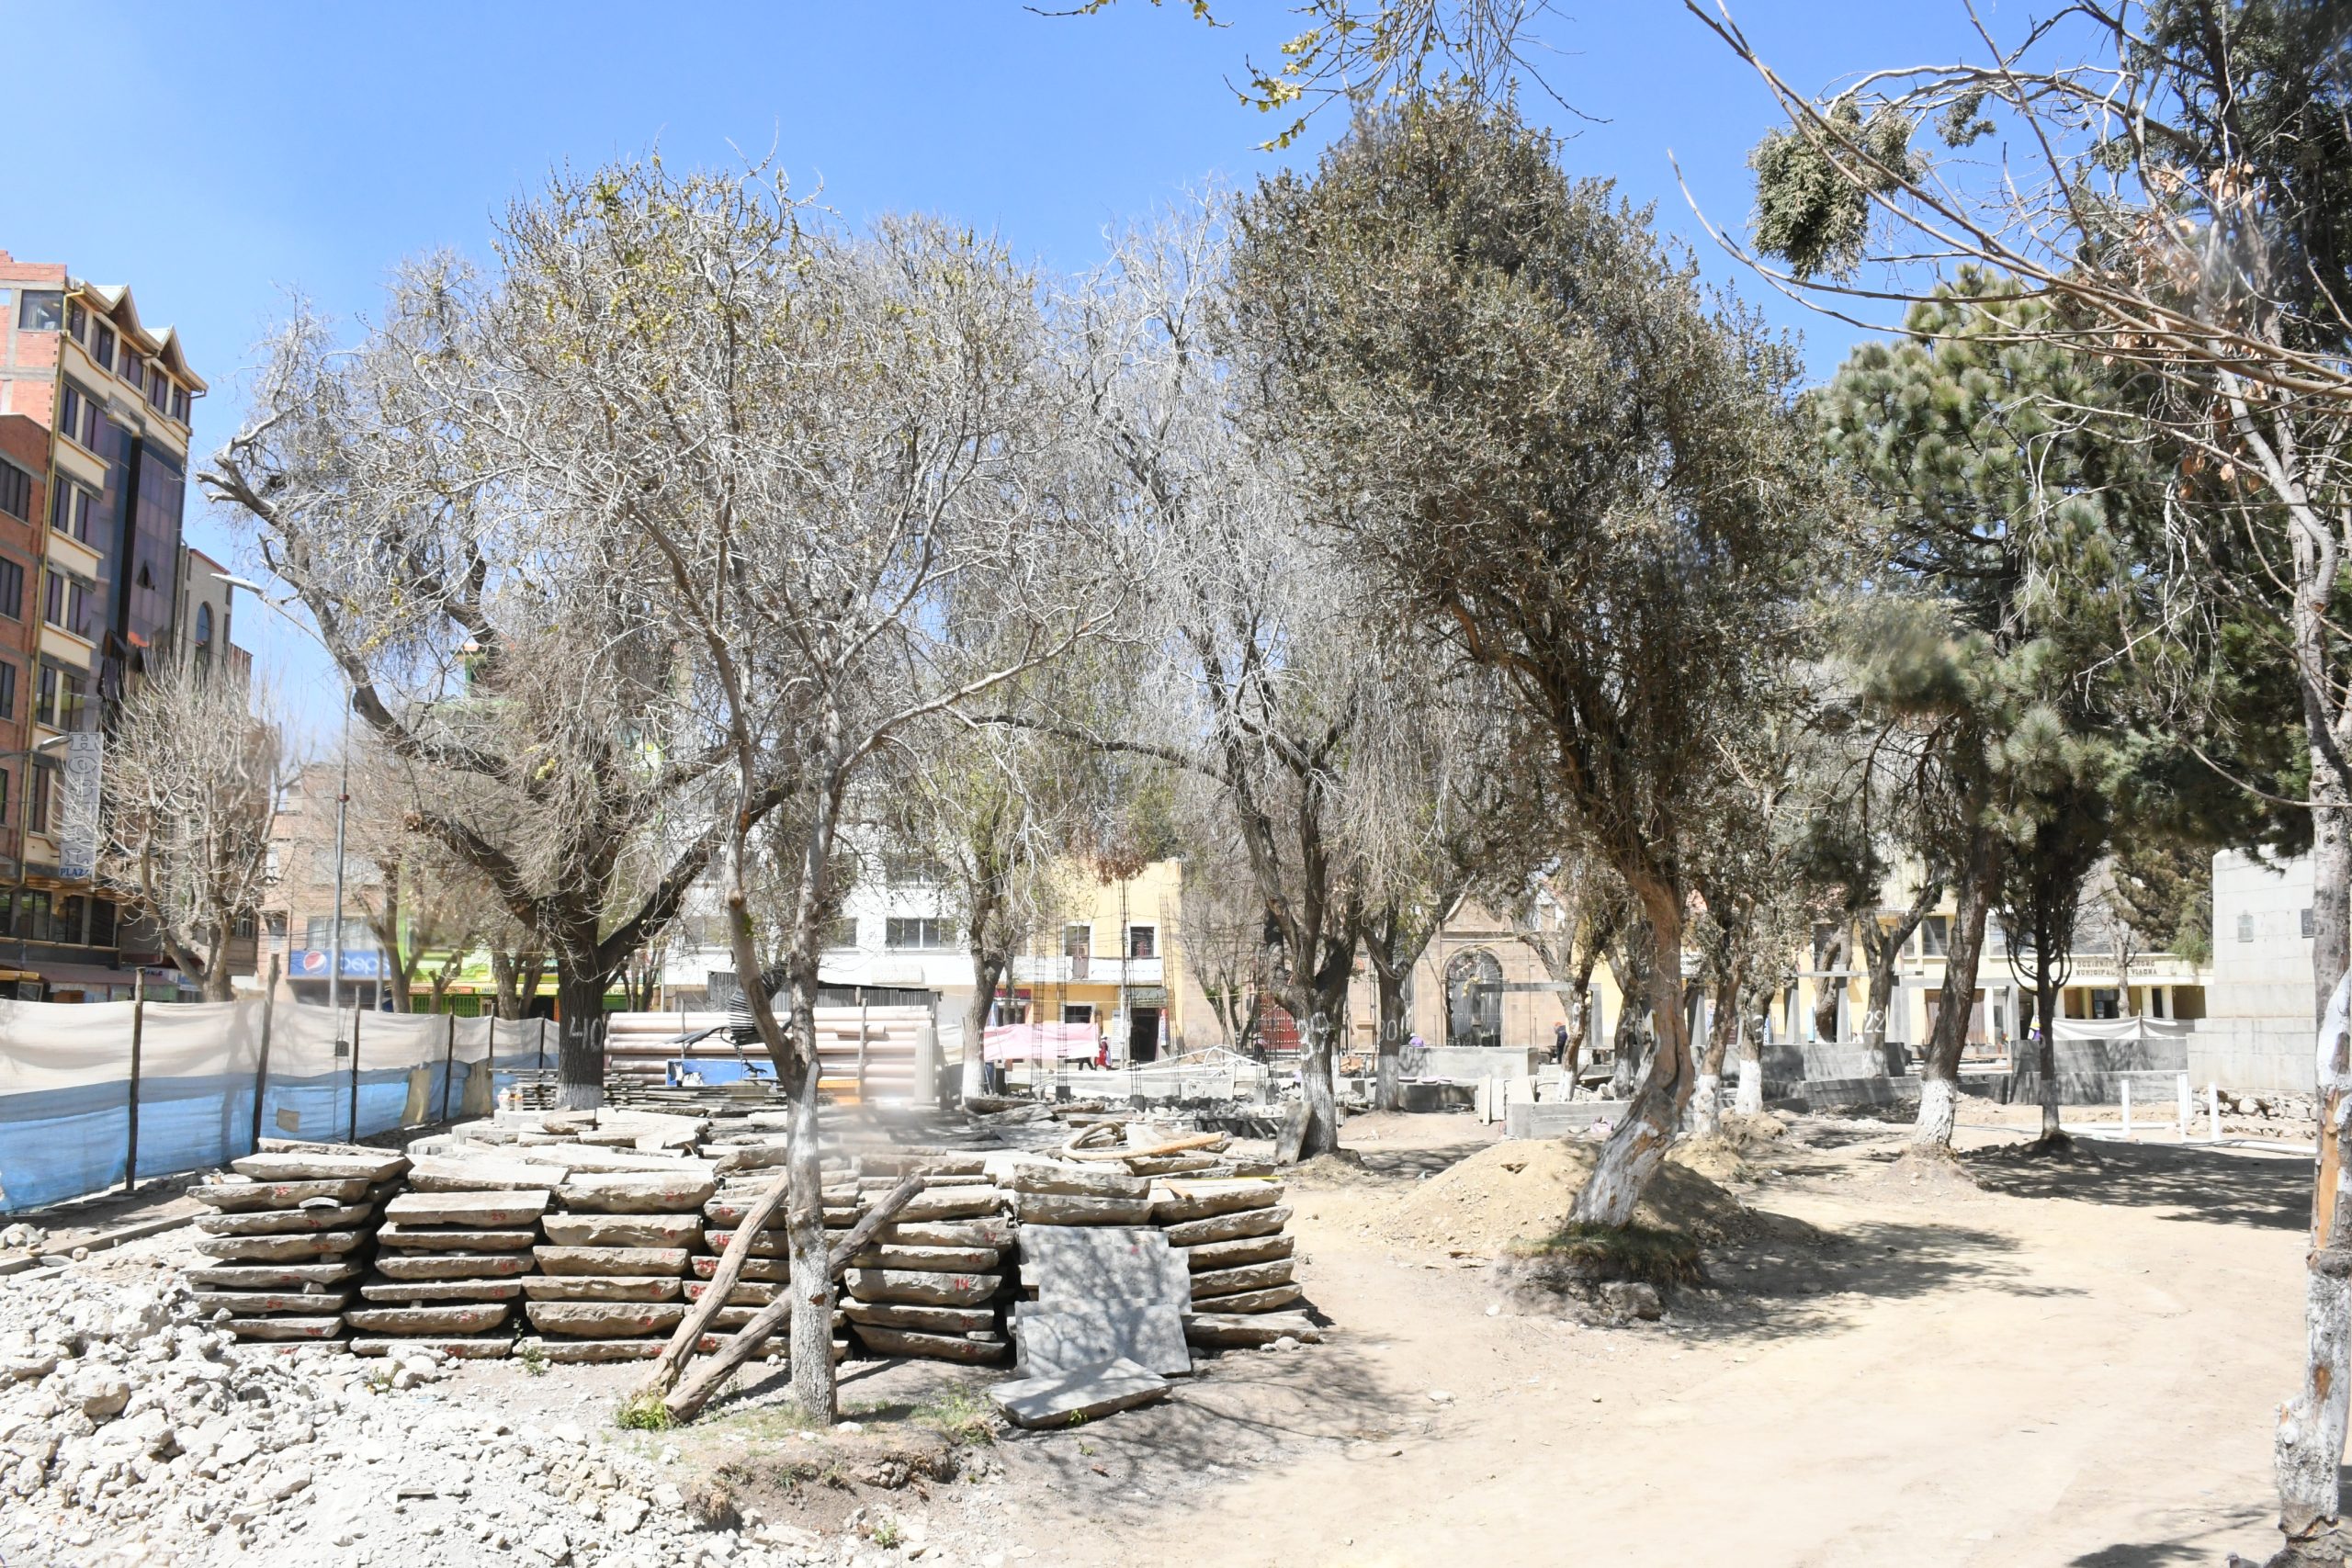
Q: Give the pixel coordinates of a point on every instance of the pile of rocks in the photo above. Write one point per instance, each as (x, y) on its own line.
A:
(448, 1268)
(132, 1430)
(289, 1230)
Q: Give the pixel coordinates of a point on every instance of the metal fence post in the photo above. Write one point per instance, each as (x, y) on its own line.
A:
(261, 1069)
(355, 1072)
(448, 1066)
(137, 1028)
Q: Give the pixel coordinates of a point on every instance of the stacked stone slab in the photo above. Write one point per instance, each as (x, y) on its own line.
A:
(1231, 1235)
(609, 1283)
(286, 1233)
(449, 1267)
(932, 1281)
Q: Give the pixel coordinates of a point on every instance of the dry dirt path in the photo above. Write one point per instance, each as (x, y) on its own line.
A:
(2076, 1368)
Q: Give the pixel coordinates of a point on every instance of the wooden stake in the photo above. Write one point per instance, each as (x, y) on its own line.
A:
(261, 1069)
(448, 1065)
(355, 1071)
(137, 1028)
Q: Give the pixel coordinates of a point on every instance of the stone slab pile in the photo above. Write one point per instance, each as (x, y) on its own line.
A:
(933, 1281)
(1232, 1236)
(610, 1279)
(449, 1267)
(286, 1234)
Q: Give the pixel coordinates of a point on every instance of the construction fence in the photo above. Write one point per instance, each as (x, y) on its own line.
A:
(93, 1095)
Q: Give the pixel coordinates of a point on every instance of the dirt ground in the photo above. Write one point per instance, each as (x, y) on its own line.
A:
(2077, 1364)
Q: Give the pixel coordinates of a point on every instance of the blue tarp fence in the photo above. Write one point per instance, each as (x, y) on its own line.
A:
(67, 1092)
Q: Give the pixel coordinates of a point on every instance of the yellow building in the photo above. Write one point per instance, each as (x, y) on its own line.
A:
(1108, 959)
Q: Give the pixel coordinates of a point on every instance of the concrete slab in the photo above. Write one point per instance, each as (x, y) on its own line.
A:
(284, 1222)
(482, 1210)
(1081, 1395)
(1109, 1263)
(1065, 1336)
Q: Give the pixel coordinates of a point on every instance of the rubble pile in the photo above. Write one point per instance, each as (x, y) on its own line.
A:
(132, 1429)
(289, 1230)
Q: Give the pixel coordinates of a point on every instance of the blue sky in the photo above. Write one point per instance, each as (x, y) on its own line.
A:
(217, 156)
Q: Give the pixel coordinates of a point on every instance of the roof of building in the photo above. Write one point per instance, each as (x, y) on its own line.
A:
(115, 301)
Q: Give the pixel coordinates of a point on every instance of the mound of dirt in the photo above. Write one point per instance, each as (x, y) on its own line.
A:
(1523, 1187)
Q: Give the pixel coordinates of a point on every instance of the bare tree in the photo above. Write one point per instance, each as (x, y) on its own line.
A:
(1223, 924)
(196, 768)
(425, 904)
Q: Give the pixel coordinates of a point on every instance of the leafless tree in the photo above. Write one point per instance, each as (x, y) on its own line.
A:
(196, 767)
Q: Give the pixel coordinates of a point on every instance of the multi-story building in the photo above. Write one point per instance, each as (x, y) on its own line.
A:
(94, 417)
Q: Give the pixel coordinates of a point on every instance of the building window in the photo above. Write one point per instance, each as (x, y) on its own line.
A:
(12, 590)
(203, 624)
(102, 347)
(16, 492)
(131, 368)
(6, 780)
(2307, 923)
(2246, 928)
(36, 802)
(67, 604)
(79, 416)
(1935, 936)
(355, 935)
(842, 932)
(179, 404)
(1143, 942)
(1077, 1012)
(57, 700)
(77, 320)
(41, 310)
(8, 691)
(913, 932)
(159, 392)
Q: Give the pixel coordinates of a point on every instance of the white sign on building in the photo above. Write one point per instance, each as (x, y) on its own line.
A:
(78, 826)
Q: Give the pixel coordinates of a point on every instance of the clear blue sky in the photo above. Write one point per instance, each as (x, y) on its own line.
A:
(217, 155)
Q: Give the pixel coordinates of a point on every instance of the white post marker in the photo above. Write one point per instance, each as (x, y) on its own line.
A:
(2180, 1083)
(2213, 1112)
(2127, 1111)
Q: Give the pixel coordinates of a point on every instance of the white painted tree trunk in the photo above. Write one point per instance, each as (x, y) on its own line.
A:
(1707, 1118)
(1749, 1099)
(1634, 1150)
(1939, 1108)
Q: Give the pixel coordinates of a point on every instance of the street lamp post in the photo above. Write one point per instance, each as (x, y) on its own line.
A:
(342, 798)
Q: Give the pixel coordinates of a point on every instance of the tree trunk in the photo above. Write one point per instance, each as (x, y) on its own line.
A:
(1827, 991)
(580, 1008)
(1318, 1033)
(1707, 1094)
(2045, 1014)
(1750, 1098)
(988, 972)
(1939, 1081)
(1632, 1155)
(812, 1282)
(1388, 1081)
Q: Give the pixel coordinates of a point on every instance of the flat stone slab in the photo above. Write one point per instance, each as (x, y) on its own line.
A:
(321, 1167)
(441, 1290)
(887, 1341)
(284, 1222)
(922, 1319)
(668, 1261)
(1116, 1263)
(991, 1231)
(733, 1157)
(747, 1293)
(917, 1163)
(637, 1192)
(453, 1265)
(1081, 1395)
(1231, 1331)
(280, 1248)
(765, 1244)
(754, 1268)
(445, 1238)
(579, 1157)
(1096, 1183)
(1214, 1254)
(248, 1304)
(487, 1348)
(954, 1203)
(910, 1285)
(285, 1327)
(624, 1230)
(454, 1317)
(236, 1196)
(1065, 1336)
(643, 1350)
(1068, 1209)
(1199, 1199)
(271, 1276)
(1229, 1226)
(596, 1288)
(483, 1210)
(483, 1173)
(933, 1259)
(1248, 1276)
(1266, 1299)
(605, 1320)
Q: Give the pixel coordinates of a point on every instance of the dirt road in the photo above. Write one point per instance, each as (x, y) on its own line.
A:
(2077, 1365)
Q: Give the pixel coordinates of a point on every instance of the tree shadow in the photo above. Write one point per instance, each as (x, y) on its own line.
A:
(2201, 1537)
(2208, 1185)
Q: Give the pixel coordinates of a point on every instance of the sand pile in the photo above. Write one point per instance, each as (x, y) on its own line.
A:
(1523, 1187)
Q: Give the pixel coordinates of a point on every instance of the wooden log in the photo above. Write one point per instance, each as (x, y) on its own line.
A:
(240, 1195)
(247, 1303)
(450, 1318)
(271, 1276)
(624, 1230)
(444, 1238)
(1031, 1179)
(752, 1157)
(931, 1260)
(386, 1289)
(1199, 1199)
(1172, 1147)
(1175, 1165)
(1229, 1226)
(573, 1350)
(1251, 1301)
(1063, 1208)
(1214, 1254)
(668, 1260)
(887, 1341)
(600, 1287)
(452, 1264)
(738, 1251)
(1229, 1331)
(280, 1248)
(1248, 1277)
(483, 1173)
(484, 1210)
(930, 1290)
(284, 1222)
(636, 1193)
(374, 1166)
(922, 1319)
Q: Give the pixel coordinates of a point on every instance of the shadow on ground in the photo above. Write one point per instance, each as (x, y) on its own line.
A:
(1775, 1288)
(2197, 1184)
(2202, 1537)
